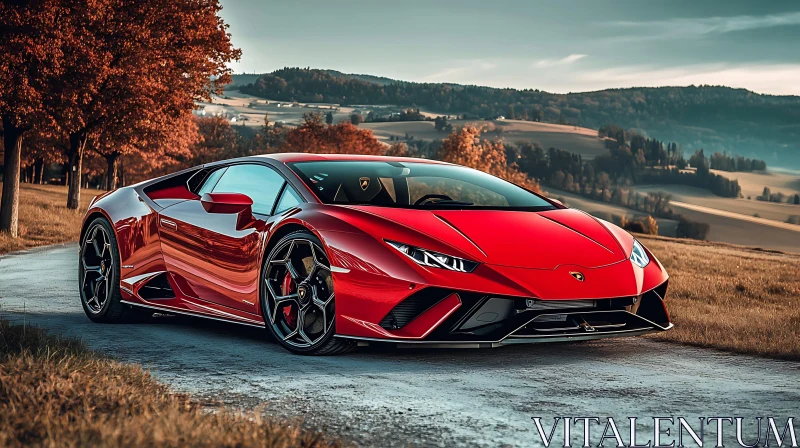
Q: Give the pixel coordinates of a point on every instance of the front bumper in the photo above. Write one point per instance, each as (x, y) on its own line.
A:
(462, 319)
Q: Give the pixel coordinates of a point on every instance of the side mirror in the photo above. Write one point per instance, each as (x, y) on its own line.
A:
(556, 201)
(231, 203)
(226, 203)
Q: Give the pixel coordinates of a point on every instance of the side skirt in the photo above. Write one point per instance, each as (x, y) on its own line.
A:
(171, 310)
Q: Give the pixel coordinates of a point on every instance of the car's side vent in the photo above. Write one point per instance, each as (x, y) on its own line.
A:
(157, 288)
(416, 304)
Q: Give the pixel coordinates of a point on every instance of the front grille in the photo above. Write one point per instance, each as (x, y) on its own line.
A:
(582, 322)
(493, 317)
(413, 306)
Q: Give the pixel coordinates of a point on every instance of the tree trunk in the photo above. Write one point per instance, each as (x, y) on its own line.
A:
(9, 206)
(121, 172)
(77, 143)
(112, 172)
(39, 170)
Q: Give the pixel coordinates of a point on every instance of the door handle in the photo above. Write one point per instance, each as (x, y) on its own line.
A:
(168, 224)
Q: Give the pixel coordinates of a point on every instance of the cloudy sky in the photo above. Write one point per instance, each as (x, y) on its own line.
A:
(558, 46)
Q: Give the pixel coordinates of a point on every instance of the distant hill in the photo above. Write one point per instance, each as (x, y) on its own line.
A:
(712, 117)
(380, 80)
(243, 79)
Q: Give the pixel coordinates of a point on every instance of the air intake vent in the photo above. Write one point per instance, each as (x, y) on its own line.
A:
(157, 288)
(416, 304)
(652, 307)
(549, 305)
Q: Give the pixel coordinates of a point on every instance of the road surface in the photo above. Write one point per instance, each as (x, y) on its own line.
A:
(402, 397)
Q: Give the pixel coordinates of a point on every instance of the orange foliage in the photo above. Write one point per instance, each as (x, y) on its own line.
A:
(217, 140)
(343, 138)
(465, 147)
(401, 150)
(171, 152)
(113, 75)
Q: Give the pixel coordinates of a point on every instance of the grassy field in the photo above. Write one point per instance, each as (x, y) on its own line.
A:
(55, 392)
(570, 138)
(576, 139)
(743, 230)
(235, 103)
(702, 197)
(44, 217)
(753, 183)
(731, 298)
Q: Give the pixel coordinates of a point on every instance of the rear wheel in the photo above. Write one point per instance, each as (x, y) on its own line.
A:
(98, 274)
(297, 297)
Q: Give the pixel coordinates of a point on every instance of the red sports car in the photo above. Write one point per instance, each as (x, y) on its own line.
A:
(329, 252)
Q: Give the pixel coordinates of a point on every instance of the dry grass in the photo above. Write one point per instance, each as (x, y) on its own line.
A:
(753, 183)
(731, 298)
(55, 392)
(44, 217)
(705, 198)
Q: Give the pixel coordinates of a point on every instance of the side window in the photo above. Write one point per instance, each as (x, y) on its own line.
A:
(259, 182)
(210, 181)
(289, 199)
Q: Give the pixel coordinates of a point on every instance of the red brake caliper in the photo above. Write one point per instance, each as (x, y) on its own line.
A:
(289, 311)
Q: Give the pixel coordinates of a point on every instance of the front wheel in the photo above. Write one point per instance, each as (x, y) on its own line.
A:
(297, 297)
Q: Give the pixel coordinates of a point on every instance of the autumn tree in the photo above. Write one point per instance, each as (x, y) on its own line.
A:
(157, 145)
(158, 155)
(29, 55)
(39, 150)
(401, 150)
(134, 66)
(465, 147)
(217, 140)
(343, 138)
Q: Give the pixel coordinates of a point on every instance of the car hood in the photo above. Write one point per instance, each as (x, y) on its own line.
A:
(534, 240)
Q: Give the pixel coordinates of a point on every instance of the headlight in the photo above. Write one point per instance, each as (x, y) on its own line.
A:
(638, 255)
(429, 258)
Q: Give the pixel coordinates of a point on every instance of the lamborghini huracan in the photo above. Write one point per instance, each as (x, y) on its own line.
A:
(329, 252)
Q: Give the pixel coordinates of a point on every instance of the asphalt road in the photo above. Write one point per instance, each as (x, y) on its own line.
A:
(402, 397)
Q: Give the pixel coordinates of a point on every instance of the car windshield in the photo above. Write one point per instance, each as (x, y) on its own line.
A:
(413, 185)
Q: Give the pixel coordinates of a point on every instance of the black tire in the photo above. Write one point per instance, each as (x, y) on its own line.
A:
(108, 308)
(328, 343)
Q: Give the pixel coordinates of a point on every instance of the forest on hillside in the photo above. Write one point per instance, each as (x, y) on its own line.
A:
(717, 119)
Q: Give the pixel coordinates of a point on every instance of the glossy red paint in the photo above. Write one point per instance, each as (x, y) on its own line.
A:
(420, 327)
(226, 203)
(213, 256)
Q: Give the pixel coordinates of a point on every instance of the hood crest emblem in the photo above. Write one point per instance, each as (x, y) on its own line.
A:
(577, 276)
(364, 182)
